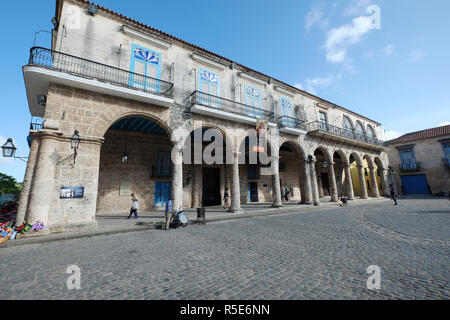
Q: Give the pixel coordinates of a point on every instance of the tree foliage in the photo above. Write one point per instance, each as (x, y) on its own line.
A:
(9, 185)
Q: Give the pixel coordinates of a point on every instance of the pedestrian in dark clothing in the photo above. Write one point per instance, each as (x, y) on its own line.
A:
(393, 196)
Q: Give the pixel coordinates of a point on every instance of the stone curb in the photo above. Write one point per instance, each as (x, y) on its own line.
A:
(93, 233)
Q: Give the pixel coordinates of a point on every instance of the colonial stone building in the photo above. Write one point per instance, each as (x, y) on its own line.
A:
(137, 96)
(421, 161)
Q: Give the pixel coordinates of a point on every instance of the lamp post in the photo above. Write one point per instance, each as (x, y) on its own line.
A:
(75, 143)
(9, 150)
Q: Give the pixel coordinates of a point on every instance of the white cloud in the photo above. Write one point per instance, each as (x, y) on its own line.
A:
(388, 50)
(391, 134)
(339, 39)
(316, 16)
(357, 7)
(415, 55)
(445, 123)
(314, 84)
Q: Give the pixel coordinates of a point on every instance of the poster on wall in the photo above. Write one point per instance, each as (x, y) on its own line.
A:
(71, 192)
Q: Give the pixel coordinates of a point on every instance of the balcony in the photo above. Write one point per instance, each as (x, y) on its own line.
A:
(47, 66)
(326, 130)
(210, 105)
(292, 125)
(410, 167)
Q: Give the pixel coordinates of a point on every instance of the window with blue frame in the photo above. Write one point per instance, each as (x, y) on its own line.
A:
(164, 168)
(407, 159)
(209, 88)
(287, 112)
(446, 147)
(146, 67)
(253, 101)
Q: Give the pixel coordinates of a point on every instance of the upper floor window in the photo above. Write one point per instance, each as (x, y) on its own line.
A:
(287, 112)
(209, 87)
(146, 66)
(446, 147)
(346, 124)
(253, 101)
(407, 159)
(359, 128)
(370, 132)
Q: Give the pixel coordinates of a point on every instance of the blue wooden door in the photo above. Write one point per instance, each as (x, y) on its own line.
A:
(163, 191)
(415, 184)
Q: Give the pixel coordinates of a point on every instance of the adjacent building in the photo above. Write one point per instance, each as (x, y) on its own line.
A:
(138, 95)
(421, 161)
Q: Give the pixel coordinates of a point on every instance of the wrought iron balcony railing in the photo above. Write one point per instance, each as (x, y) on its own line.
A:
(319, 126)
(410, 167)
(36, 126)
(226, 105)
(90, 69)
(291, 122)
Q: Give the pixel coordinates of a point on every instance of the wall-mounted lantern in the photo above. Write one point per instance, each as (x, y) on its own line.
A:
(75, 143)
(9, 150)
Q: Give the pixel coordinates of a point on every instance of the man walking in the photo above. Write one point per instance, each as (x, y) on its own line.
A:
(134, 206)
(393, 196)
(226, 195)
(168, 212)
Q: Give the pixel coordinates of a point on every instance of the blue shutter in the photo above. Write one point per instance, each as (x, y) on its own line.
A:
(253, 101)
(209, 85)
(286, 111)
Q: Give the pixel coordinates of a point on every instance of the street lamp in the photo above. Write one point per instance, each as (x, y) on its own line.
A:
(9, 150)
(75, 143)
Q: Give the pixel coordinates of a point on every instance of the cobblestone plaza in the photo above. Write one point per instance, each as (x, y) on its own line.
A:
(319, 254)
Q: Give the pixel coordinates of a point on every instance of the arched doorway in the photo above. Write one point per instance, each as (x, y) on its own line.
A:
(207, 159)
(292, 172)
(325, 177)
(359, 173)
(135, 157)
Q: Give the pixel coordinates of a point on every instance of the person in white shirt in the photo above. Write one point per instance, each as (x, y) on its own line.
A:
(134, 206)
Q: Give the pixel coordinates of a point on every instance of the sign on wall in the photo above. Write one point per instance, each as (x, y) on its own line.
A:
(71, 192)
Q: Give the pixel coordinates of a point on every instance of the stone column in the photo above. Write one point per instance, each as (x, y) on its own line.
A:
(276, 182)
(348, 183)
(333, 185)
(236, 193)
(312, 172)
(222, 183)
(384, 181)
(319, 186)
(42, 190)
(27, 180)
(362, 182)
(373, 181)
(197, 181)
(308, 198)
(177, 177)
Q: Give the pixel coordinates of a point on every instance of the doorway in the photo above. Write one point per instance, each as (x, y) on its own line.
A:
(211, 187)
(252, 192)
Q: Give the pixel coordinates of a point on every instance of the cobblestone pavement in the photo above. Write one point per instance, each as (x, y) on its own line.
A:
(321, 254)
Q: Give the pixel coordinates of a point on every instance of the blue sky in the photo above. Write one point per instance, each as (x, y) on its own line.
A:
(396, 73)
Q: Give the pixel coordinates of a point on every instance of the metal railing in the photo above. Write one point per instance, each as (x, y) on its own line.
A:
(90, 69)
(342, 132)
(36, 126)
(291, 122)
(410, 167)
(208, 100)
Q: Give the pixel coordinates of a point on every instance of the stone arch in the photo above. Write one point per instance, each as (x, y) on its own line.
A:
(369, 160)
(293, 170)
(352, 125)
(371, 130)
(104, 121)
(325, 152)
(363, 129)
(357, 158)
(342, 155)
(377, 160)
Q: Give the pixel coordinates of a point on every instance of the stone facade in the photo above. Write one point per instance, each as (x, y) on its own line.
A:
(303, 158)
(430, 160)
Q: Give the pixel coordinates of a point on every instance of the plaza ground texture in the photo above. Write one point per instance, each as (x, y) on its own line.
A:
(317, 254)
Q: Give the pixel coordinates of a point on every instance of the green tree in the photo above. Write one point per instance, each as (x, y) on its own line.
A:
(9, 185)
